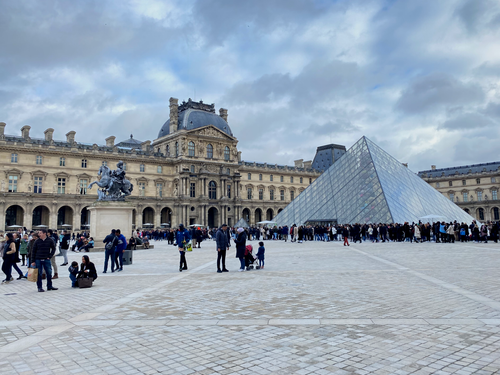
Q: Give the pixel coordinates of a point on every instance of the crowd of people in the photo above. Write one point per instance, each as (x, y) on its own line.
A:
(37, 249)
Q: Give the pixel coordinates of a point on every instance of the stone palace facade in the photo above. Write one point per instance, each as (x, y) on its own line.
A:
(191, 174)
(474, 188)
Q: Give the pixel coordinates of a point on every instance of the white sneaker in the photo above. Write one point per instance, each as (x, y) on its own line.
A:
(241, 270)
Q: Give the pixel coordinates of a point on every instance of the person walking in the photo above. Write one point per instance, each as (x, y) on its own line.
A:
(109, 248)
(17, 243)
(65, 246)
(223, 244)
(182, 239)
(53, 235)
(345, 234)
(8, 255)
(43, 250)
(120, 248)
(240, 241)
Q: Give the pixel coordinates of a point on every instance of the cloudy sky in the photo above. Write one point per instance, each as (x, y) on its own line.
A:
(418, 77)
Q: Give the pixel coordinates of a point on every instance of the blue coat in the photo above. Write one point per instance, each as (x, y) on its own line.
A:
(182, 236)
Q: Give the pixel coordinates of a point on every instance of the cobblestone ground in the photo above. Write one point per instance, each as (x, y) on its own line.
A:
(316, 308)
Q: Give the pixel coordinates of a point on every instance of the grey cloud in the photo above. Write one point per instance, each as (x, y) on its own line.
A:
(468, 121)
(82, 34)
(318, 82)
(218, 20)
(493, 110)
(477, 15)
(263, 89)
(331, 127)
(435, 91)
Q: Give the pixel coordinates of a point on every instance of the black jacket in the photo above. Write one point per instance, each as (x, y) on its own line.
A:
(92, 271)
(43, 249)
(65, 242)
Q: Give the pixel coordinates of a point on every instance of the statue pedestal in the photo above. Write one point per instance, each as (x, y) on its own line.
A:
(107, 215)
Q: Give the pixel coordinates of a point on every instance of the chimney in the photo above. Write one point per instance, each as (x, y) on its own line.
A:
(308, 164)
(145, 145)
(239, 156)
(174, 115)
(110, 141)
(70, 137)
(299, 163)
(2, 129)
(433, 167)
(25, 131)
(48, 134)
(223, 113)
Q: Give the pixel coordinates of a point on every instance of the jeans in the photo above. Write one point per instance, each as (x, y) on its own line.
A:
(14, 265)
(221, 256)
(44, 264)
(119, 259)
(261, 263)
(73, 280)
(242, 263)
(109, 254)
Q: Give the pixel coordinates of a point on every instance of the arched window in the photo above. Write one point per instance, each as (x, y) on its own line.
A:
(481, 214)
(191, 148)
(176, 149)
(226, 153)
(496, 215)
(210, 151)
(168, 150)
(212, 190)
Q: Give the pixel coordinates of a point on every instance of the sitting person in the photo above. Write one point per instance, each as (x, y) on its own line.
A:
(78, 245)
(87, 268)
(132, 245)
(145, 242)
(73, 273)
(89, 244)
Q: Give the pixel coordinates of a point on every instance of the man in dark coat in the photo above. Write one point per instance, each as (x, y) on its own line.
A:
(223, 244)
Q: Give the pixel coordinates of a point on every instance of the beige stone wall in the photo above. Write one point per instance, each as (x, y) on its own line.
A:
(479, 189)
(173, 205)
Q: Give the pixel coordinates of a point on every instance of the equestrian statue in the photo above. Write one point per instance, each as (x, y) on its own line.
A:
(113, 184)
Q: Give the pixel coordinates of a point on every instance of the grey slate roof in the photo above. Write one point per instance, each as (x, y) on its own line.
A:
(461, 170)
(190, 119)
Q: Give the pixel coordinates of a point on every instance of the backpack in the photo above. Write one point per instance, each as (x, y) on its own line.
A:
(462, 232)
(109, 245)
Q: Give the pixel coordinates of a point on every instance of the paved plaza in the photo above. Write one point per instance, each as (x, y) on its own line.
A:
(316, 308)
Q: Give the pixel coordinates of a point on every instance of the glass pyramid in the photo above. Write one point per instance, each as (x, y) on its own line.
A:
(367, 185)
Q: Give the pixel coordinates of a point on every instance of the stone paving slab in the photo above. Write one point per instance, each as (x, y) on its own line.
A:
(316, 308)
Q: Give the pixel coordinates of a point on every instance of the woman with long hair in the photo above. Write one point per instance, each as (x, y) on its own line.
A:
(87, 268)
(8, 255)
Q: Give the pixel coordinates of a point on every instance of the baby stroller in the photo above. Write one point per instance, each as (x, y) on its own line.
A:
(250, 259)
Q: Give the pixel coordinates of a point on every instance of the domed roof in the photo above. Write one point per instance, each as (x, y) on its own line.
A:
(192, 118)
(131, 143)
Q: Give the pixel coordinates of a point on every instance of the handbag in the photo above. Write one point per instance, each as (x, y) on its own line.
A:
(33, 274)
(188, 247)
(85, 282)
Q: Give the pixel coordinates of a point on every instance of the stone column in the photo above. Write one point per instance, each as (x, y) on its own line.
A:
(2, 216)
(157, 220)
(28, 216)
(53, 217)
(77, 215)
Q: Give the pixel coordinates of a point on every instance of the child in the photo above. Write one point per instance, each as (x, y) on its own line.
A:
(73, 272)
(260, 255)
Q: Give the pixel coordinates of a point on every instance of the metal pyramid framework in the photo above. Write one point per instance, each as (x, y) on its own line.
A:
(367, 185)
